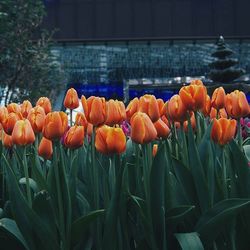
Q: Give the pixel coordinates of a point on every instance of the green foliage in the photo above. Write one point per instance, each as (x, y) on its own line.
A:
(81, 199)
(27, 66)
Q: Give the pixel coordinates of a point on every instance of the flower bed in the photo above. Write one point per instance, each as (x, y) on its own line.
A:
(151, 175)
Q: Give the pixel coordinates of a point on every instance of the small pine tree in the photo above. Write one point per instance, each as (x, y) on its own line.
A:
(222, 69)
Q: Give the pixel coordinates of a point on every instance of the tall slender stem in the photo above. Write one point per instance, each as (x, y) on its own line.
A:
(239, 134)
(26, 173)
(71, 117)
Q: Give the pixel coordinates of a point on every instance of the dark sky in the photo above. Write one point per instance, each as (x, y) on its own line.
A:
(120, 19)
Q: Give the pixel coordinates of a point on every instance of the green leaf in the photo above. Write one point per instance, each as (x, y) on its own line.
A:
(247, 151)
(32, 184)
(10, 227)
(215, 219)
(241, 168)
(30, 224)
(157, 194)
(178, 214)
(189, 241)
(80, 225)
(197, 171)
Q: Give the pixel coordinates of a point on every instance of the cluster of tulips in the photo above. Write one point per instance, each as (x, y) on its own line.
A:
(149, 175)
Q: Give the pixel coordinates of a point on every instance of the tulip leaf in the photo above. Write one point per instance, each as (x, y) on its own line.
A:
(247, 151)
(10, 227)
(157, 195)
(189, 241)
(30, 224)
(80, 225)
(32, 184)
(215, 219)
(111, 215)
(241, 168)
(185, 181)
(197, 170)
(178, 214)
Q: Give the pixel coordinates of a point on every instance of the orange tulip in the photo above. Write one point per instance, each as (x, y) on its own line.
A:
(110, 140)
(218, 98)
(207, 107)
(115, 112)
(55, 125)
(3, 113)
(74, 137)
(155, 149)
(193, 96)
(223, 130)
(71, 100)
(13, 107)
(9, 122)
(45, 148)
(7, 140)
(45, 103)
(81, 120)
(94, 109)
(132, 108)
(176, 109)
(26, 106)
(89, 129)
(193, 123)
(23, 133)
(237, 105)
(162, 129)
(142, 128)
(148, 104)
(36, 117)
(165, 120)
(196, 82)
(160, 105)
(221, 113)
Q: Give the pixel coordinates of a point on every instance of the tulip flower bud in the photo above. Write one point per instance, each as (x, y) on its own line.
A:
(7, 140)
(71, 100)
(218, 98)
(3, 113)
(110, 140)
(207, 107)
(45, 148)
(162, 129)
(45, 103)
(223, 130)
(148, 104)
(142, 128)
(74, 137)
(55, 125)
(193, 96)
(81, 120)
(237, 105)
(155, 149)
(23, 133)
(9, 122)
(176, 109)
(221, 113)
(94, 109)
(193, 122)
(132, 108)
(26, 106)
(160, 105)
(13, 108)
(36, 117)
(115, 112)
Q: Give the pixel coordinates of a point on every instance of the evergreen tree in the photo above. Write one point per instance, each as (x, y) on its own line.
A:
(27, 67)
(222, 69)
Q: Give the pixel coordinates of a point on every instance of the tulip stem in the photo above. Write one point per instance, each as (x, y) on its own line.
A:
(59, 194)
(71, 117)
(224, 174)
(95, 187)
(184, 145)
(26, 173)
(239, 134)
